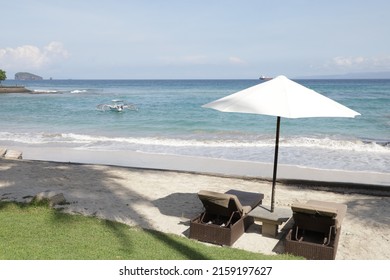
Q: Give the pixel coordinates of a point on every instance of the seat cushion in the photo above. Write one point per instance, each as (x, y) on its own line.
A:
(231, 201)
(248, 200)
(336, 211)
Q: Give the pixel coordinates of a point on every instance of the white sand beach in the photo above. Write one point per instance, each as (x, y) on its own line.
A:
(166, 200)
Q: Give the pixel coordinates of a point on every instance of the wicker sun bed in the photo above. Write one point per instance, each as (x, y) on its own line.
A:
(316, 230)
(225, 217)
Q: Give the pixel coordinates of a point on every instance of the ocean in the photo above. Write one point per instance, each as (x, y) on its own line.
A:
(170, 120)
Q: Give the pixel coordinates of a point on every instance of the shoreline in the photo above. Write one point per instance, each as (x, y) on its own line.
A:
(359, 181)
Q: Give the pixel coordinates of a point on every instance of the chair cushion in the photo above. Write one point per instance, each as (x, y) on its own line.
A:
(220, 199)
(231, 201)
(312, 209)
(248, 200)
(336, 211)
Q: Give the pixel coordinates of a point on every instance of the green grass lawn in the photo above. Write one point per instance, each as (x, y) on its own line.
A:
(38, 232)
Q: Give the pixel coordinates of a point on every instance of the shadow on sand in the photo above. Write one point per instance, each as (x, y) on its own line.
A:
(64, 177)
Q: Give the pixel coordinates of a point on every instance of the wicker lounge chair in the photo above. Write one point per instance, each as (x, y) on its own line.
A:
(225, 217)
(316, 230)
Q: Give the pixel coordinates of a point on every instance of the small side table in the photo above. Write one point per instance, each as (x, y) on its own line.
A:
(270, 220)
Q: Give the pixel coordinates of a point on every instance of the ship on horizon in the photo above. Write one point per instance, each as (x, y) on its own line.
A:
(264, 78)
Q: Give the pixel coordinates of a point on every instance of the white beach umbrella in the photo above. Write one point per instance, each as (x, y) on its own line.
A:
(281, 97)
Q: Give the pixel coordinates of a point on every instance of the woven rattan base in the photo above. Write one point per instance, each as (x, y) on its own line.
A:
(218, 234)
(310, 246)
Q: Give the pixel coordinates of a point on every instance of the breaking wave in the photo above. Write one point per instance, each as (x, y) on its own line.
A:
(294, 142)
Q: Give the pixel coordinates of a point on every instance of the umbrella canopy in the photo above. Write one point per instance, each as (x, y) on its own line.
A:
(281, 97)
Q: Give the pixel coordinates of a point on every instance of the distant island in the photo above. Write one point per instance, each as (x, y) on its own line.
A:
(25, 76)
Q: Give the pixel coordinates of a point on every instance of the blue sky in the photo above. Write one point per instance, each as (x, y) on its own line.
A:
(172, 39)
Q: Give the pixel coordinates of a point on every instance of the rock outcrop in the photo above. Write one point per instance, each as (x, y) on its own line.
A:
(14, 89)
(24, 76)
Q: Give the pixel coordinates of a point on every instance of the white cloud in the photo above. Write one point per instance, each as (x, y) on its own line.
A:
(32, 57)
(348, 61)
(56, 49)
(360, 63)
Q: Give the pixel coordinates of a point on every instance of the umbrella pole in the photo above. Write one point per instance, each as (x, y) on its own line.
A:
(275, 164)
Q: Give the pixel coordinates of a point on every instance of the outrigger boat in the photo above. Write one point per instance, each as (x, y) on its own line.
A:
(117, 106)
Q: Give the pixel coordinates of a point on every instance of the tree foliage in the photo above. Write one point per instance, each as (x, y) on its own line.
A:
(3, 76)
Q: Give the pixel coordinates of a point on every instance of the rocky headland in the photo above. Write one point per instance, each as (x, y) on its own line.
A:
(14, 89)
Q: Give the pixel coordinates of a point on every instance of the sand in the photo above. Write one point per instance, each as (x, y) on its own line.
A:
(165, 200)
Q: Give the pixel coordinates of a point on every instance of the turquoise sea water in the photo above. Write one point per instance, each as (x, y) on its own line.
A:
(170, 120)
